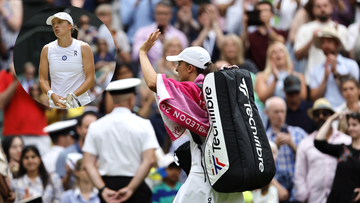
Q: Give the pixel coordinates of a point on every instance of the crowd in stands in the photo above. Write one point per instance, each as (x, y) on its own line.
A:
(303, 56)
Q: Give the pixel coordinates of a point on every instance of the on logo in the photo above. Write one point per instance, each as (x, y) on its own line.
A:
(64, 58)
(218, 165)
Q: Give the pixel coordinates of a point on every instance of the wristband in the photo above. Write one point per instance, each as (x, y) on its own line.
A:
(49, 93)
(102, 189)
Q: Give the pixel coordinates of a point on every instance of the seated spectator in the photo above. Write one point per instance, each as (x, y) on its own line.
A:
(87, 32)
(167, 190)
(286, 138)
(84, 191)
(61, 136)
(270, 82)
(62, 169)
(33, 180)
(325, 77)
(12, 146)
(37, 94)
(172, 47)
(162, 22)
(347, 177)
(232, 52)
(312, 183)
(257, 42)
(211, 35)
(118, 43)
(102, 56)
(297, 107)
(27, 80)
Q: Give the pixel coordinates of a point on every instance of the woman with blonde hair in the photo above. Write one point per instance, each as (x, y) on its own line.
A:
(270, 82)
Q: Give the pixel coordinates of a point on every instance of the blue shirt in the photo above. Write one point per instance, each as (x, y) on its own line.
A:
(333, 94)
(300, 117)
(74, 196)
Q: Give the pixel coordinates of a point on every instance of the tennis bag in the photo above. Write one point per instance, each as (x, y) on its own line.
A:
(237, 153)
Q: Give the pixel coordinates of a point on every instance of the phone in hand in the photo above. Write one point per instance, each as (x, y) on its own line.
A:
(161, 29)
(284, 129)
(254, 17)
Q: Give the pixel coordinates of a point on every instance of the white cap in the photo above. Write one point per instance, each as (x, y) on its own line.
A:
(61, 125)
(196, 56)
(72, 158)
(166, 160)
(62, 16)
(123, 86)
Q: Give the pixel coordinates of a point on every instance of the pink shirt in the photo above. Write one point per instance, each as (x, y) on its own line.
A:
(156, 51)
(315, 171)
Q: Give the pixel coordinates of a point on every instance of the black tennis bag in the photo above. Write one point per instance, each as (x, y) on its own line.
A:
(237, 153)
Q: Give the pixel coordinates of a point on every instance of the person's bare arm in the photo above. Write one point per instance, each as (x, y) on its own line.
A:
(304, 51)
(13, 17)
(89, 69)
(67, 177)
(223, 7)
(303, 90)
(273, 36)
(299, 19)
(148, 157)
(6, 95)
(282, 192)
(125, 56)
(319, 92)
(264, 90)
(201, 37)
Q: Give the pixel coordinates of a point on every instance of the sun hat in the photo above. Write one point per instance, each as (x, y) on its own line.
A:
(320, 104)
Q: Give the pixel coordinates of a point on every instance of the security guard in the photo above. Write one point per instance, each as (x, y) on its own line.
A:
(125, 145)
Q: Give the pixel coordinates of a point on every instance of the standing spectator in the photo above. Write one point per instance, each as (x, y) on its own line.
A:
(87, 32)
(62, 169)
(211, 36)
(258, 41)
(286, 138)
(270, 82)
(297, 107)
(286, 10)
(136, 14)
(325, 77)
(33, 179)
(61, 136)
(185, 15)
(11, 16)
(162, 17)
(346, 186)
(102, 56)
(12, 146)
(116, 40)
(28, 79)
(14, 101)
(121, 140)
(315, 171)
(84, 191)
(303, 44)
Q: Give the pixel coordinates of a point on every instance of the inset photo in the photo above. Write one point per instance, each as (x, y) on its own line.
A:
(64, 57)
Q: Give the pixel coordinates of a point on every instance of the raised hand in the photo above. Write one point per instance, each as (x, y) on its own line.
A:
(274, 70)
(146, 46)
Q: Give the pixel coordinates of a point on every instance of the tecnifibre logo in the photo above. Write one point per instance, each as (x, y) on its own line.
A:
(217, 165)
(243, 88)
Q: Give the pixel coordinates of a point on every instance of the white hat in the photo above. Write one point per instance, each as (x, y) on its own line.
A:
(72, 158)
(123, 86)
(62, 16)
(59, 126)
(196, 56)
(327, 32)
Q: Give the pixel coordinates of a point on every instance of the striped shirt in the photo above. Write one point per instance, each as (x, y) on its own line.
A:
(165, 194)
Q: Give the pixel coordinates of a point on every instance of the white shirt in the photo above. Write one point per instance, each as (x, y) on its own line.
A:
(353, 34)
(344, 66)
(316, 56)
(50, 157)
(119, 139)
(286, 13)
(66, 70)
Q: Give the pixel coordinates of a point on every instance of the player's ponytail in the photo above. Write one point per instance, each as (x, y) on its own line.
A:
(74, 32)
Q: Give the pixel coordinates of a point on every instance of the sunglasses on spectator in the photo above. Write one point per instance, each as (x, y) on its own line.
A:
(353, 115)
(316, 114)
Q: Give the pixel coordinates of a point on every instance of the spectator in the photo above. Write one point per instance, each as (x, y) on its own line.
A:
(296, 114)
(286, 10)
(87, 32)
(118, 43)
(162, 17)
(33, 180)
(304, 47)
(286, 138)
(258, 41)
(12, 147)
(352, 36)
(14, 101)
(167, 190)
(312, 183)
(344, 12)
(11, 16)
(325, 77)
(185, 15)
(270, 82)
(64, 171)
(211, 35)
(136, 14)
(6, 194)
(172, 47)
(84, 191)
(346, 181)
(28, 79)
(61, 136)
(102, 57)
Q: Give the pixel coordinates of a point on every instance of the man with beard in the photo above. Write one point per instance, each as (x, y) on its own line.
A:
(325, 77)
(315, 171)
(303, 45)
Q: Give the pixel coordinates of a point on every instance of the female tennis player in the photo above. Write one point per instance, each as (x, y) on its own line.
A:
(185, 98)
(69, 62)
